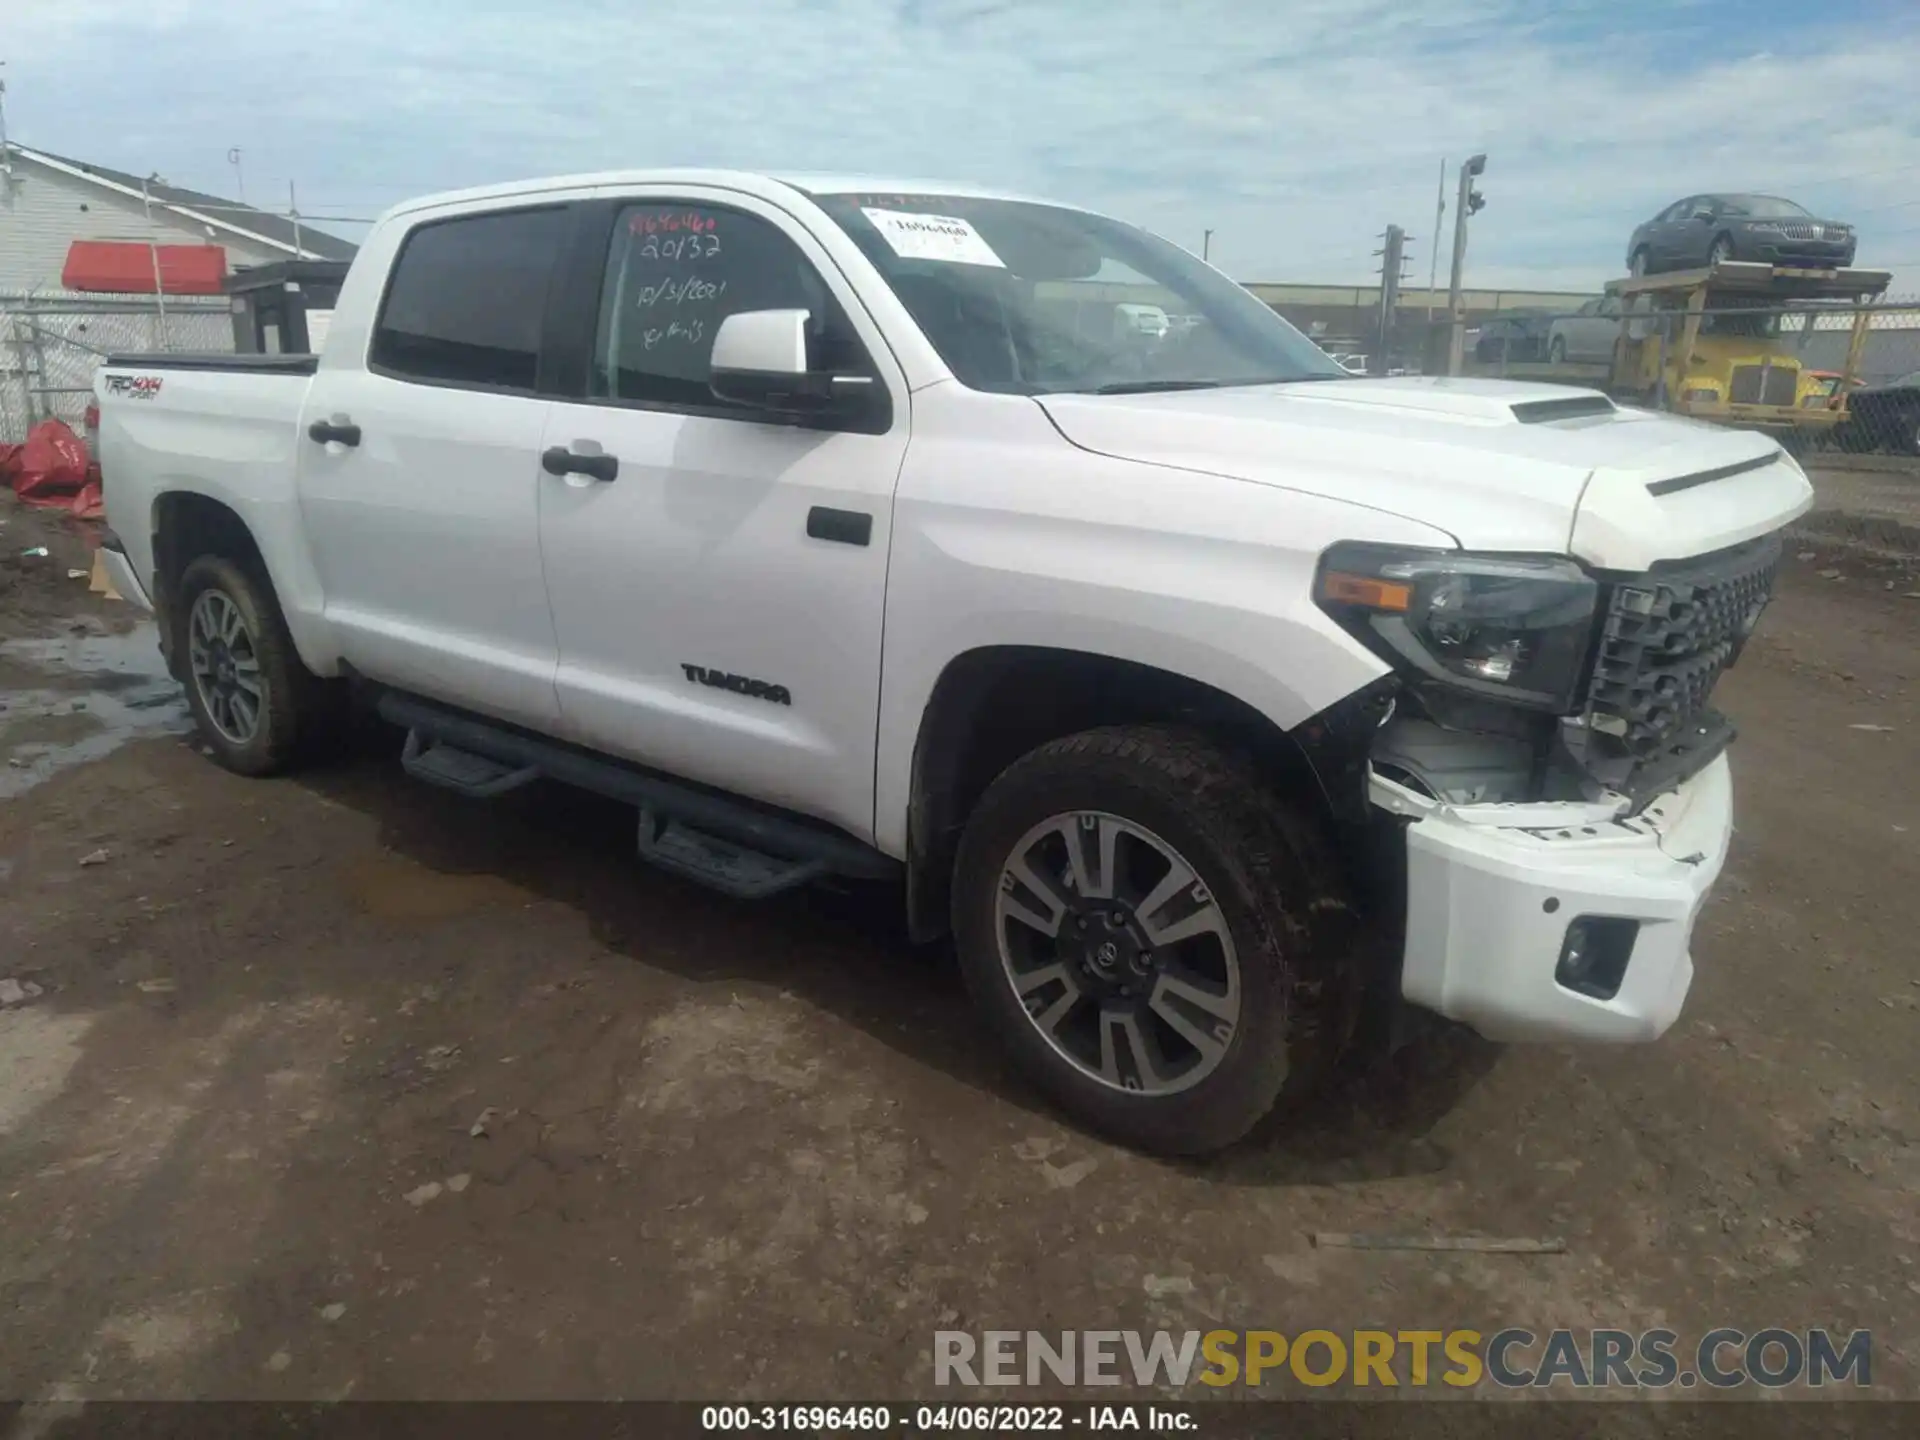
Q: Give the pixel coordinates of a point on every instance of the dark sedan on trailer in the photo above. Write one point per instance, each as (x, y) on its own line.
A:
(1707, 229)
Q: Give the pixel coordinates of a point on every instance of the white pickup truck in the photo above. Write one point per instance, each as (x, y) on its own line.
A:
(1201, 691)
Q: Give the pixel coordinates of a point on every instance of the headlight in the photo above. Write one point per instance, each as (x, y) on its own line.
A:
(1506, 628)
(1701, 392)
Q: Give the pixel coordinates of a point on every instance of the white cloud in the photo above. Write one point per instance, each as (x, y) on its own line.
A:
(1294, 130)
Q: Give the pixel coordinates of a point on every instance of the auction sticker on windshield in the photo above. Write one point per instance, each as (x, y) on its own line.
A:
(933, 237)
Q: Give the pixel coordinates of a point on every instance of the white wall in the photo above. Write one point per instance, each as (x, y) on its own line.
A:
(43, 212)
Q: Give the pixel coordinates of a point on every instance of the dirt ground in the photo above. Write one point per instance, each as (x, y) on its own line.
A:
(342, 1086)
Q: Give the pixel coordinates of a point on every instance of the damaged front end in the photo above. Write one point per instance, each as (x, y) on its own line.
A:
(1535, 792)
(1532, 680)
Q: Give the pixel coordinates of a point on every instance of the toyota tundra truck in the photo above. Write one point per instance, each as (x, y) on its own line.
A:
(1208, 697)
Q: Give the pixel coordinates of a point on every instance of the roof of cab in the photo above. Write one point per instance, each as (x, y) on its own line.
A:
(752, 182)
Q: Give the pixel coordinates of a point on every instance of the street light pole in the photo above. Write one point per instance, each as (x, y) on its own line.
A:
(1456, 310)
(1206, 244)
(1433, 248)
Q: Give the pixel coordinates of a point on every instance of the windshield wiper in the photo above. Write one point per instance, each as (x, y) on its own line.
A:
(1147, 387)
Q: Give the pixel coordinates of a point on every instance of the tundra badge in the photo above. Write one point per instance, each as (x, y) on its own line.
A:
(739, 684)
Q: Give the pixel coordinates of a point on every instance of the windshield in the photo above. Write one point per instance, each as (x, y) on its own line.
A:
(1745, 324)
(1762, 207)
(1028, 299)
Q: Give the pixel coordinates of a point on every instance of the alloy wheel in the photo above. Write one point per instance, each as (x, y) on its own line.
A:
(225, 667)
(1118, 953)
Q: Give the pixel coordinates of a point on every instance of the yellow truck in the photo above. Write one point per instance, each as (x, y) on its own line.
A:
(1722, 343)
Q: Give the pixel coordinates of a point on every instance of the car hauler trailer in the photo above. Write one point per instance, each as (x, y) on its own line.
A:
(1720, 343)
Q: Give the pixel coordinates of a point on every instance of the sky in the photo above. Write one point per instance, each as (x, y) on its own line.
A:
(1294, 130)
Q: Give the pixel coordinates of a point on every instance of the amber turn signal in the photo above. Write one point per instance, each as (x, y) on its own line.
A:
(1342, 588)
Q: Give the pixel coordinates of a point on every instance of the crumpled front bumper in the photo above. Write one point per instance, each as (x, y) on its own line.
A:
(1492, 890)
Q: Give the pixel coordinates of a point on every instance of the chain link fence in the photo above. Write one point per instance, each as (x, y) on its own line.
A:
(52, 342)
(1780, 354)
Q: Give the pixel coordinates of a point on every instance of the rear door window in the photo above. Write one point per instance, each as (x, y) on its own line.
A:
(467, 298)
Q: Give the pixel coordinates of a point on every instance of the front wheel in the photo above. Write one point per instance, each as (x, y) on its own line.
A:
(1557, 353)
(1721, 252)
(257, 707)
(1161, 947)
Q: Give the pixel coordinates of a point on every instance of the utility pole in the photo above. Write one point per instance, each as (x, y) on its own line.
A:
(1206, 244)
(6, 153)
(293, 214)
(153, 251)
(1469, 202)
(1433, 248)
(239, 180)
(1392, 259)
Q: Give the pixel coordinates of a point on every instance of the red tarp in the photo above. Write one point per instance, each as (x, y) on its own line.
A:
(125, 267)
(54, 471)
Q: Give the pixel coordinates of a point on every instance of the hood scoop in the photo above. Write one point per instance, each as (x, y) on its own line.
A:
(1574, 407)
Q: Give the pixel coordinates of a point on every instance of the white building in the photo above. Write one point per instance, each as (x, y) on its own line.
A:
(47, 202)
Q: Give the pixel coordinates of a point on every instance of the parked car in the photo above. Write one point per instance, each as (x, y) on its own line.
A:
(1706, 230)
(1203, 693)
(1883, 417)
(1149, 321)
(1587, 335)
(1513, 336)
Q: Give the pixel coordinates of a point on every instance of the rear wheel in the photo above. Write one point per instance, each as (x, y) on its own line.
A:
(1638, 264)
(1157, 943)
(1557, 352)
(257, 707)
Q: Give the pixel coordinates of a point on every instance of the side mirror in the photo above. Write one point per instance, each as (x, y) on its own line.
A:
(760, 359)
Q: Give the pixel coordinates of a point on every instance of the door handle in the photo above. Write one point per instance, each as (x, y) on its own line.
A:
(339, 430)
(848, 527)
(558, 460)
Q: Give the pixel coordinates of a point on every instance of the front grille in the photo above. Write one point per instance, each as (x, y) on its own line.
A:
(1666, 638)
(1763, 384)
(1797, 231)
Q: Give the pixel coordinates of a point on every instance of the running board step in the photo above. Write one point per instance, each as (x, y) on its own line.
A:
(452, 768)
(719, 864)
(744, 849)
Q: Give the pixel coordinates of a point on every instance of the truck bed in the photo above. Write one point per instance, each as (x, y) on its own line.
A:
(214, 360)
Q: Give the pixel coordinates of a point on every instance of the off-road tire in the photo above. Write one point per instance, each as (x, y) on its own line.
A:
(1269, 869)
(300, 713)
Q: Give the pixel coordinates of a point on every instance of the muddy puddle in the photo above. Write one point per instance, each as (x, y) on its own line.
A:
(69, 699)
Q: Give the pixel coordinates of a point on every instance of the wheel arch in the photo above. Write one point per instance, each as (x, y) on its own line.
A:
(993, 704)
(185, 524)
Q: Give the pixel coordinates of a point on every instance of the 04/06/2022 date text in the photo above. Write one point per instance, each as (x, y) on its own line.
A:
(944, 1419)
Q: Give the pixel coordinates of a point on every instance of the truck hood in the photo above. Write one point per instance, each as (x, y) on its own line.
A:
(1498, 465)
